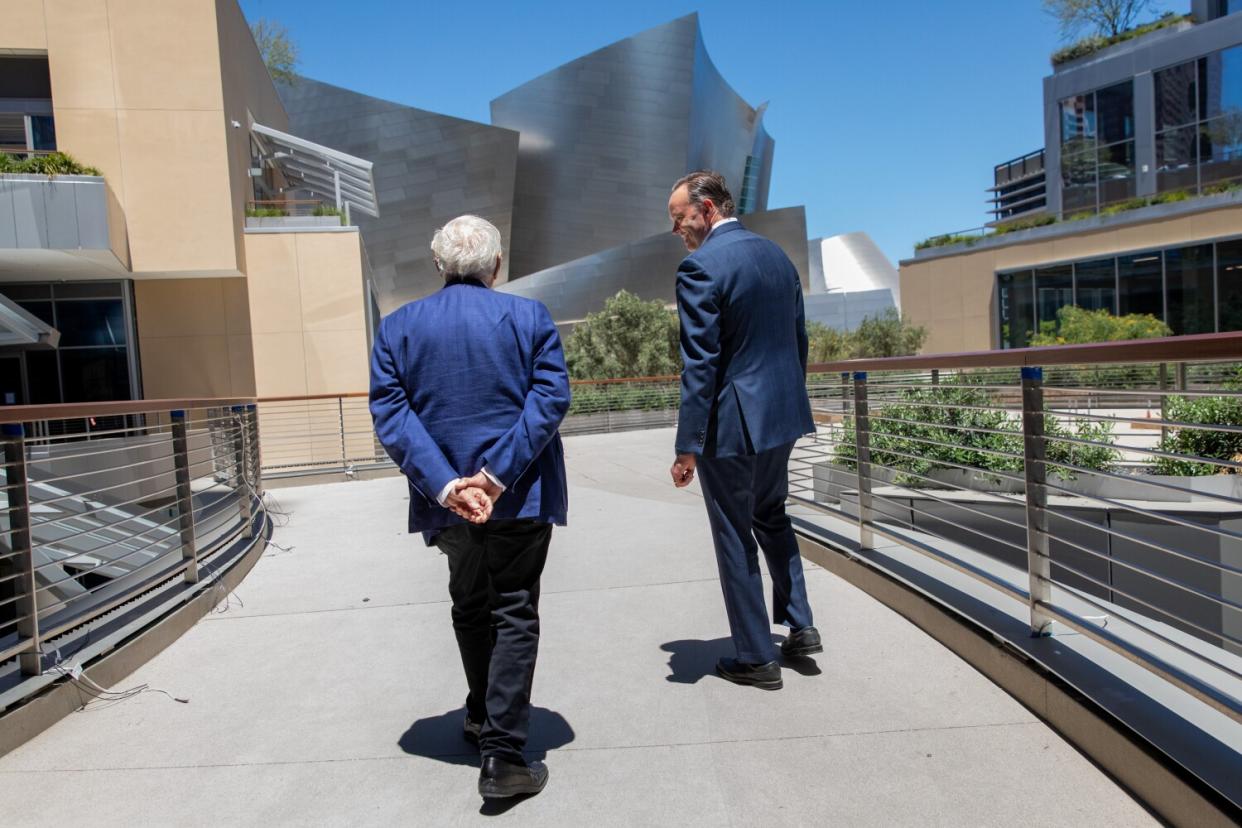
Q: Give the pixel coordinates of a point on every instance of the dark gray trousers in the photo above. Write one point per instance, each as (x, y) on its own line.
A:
(494, 574)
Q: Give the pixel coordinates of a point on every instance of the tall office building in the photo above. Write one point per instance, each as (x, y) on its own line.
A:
(1138, 189)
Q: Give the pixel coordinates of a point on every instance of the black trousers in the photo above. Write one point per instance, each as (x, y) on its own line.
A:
(494, 571)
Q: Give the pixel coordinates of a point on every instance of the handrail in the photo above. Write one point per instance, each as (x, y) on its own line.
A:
(1191, 348)
(66, 411)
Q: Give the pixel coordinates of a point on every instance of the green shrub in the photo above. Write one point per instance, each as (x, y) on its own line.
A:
(947, 239)
(628, 338)
(54, 163)
(1222, 187)
(933, 428)
(325, 210)
(1094, 43)
(1024, 224)
(1075, 326)
(884, 335)
(264, 212)
(1214, 445)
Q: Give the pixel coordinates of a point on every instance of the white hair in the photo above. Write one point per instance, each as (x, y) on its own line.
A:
(466, 246)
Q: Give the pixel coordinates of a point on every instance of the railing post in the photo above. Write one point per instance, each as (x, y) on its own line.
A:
(862, 439)
(1038, 562)
(1164, 402)
(256, 463)
(27, 604)
(935, 376)
(239, 466)
(185, 495)
(340, 420)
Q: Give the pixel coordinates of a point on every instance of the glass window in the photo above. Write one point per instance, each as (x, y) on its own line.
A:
(1054, 289)
(43, 377)
(1078, 118)
(1017, 309)
(43, 310)
(1116, 172)
(20, 292)
(43, 132)
(1114, 112)
(1177, 159)
(1220, 149)
(1096, 285)
(1142, 284)
(88, 290)
(1191, 295)
(1078, 182)
(1175, 96)
(1229, 284)
(1221, 83)
(94, 374)
(91, 322)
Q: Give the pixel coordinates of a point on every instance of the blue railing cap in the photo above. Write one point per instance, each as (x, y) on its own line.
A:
(177, 413)
(1032, 373)
(13, 430)
(860, 375)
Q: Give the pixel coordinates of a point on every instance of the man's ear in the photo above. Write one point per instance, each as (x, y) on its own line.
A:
(496, 269)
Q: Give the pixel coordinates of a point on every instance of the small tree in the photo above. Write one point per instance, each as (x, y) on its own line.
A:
(1077, 325)
(628, 338)
(276, 47)
(887, 335)
(1106, 18)
(827, 344)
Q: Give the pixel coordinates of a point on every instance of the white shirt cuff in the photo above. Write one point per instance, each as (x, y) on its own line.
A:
(496, 480)
(442, 498)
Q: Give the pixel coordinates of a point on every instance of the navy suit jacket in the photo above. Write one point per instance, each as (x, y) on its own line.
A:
(466, 378)
(744, 344)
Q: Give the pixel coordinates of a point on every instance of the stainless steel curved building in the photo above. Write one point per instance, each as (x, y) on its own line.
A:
(646, 268)
(429, 168)
(604, 136)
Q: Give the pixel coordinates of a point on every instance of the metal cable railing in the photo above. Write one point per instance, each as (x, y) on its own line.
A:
(1098, 484)
(333, 433)
(107, 510)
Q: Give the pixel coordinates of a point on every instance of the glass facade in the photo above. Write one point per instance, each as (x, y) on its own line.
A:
(95, 361)
(1199, 122)
(1097, 148)
(1193, 288)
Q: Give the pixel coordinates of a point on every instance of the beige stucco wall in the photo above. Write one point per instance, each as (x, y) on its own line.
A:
(954, 295)
(194, 337)
(308, 313)
(141, 91)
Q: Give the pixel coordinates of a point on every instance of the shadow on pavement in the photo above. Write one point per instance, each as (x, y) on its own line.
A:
(440, 737)
(691, 659)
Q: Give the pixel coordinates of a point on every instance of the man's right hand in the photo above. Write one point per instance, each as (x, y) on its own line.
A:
(469, 502)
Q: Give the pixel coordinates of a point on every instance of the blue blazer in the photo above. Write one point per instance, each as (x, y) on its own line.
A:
(744, 344)
(466, 378)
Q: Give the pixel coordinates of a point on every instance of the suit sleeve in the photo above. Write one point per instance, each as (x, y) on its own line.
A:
(800, 323)
(547, 402)
(398, 427)
(698, 307)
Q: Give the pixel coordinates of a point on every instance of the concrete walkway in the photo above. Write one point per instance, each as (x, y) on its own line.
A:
(329, 691)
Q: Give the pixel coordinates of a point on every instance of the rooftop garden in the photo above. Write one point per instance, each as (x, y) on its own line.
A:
(53, 163)
(946, 239)
(1093, 43)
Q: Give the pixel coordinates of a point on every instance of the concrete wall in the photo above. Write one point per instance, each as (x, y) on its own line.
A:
(953, 295)
(194, 337)
(307, 303)
(140, 90)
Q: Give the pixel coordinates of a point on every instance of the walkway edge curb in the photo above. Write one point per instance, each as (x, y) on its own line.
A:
(1163, 789)
(25, 721)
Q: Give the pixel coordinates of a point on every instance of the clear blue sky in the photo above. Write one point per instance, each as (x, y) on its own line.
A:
(888, 116)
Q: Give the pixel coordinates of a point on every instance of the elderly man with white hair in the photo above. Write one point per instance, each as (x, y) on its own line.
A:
(468, 388)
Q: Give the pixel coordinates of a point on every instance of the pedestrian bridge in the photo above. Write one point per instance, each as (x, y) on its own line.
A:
(327, 690)
(948, 507)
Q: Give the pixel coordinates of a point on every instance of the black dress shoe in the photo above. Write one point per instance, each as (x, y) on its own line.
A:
(470, 730)
(499, 779)
(800, 643)
(764, 676)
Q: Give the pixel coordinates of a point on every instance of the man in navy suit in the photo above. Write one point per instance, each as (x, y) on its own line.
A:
(743, 406)
(468, 388)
